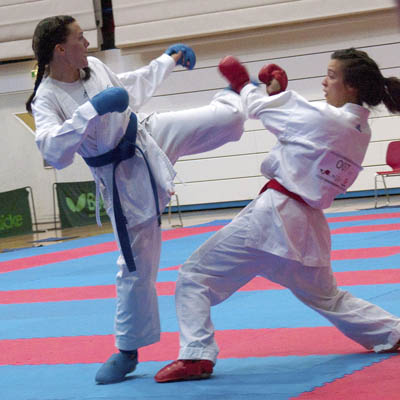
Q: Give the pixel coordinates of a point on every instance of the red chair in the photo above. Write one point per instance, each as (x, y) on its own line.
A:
(393, 161)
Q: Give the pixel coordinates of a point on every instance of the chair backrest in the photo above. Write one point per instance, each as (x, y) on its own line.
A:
(393, 154)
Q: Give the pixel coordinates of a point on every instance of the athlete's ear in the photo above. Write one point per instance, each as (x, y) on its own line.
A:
(59, 48)
(352, 92)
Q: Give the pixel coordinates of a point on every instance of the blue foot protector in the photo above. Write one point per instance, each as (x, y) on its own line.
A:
(115, 368)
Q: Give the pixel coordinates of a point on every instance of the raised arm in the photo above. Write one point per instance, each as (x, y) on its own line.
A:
(143, 82)
(273, 110)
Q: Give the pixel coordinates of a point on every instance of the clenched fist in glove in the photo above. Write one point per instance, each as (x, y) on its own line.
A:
(187, 59)
(234, 72)
(270, 72)
(114, 99)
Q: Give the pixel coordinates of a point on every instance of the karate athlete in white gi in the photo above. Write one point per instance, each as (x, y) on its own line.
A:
(283, 235)
(90, 113)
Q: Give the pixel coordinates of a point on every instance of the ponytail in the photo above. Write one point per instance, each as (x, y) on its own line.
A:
(391, 96)
(87, 72)
(39, 77)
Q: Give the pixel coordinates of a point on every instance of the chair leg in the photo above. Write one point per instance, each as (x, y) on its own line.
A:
(179, 213)
(376, 190)
(386, 191)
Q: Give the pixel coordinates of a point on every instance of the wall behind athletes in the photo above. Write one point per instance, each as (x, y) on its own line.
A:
(299, 35)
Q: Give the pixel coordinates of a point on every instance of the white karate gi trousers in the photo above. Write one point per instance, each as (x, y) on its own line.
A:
(224, 264)
(137, 321)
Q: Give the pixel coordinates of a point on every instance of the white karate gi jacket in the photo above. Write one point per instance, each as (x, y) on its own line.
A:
(318, 155)
(65, 127)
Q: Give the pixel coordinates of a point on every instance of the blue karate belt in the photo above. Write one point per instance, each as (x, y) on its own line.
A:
(125, 149)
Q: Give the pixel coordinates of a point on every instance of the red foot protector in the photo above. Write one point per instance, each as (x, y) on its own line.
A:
(185, 370)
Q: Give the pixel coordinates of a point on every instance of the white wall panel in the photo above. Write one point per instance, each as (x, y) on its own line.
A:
(175, 19)
(18, 20)
(385, 128)
(20, 49)
(220, 191)
(231, 167)
(138, 11)
(251, 142)
(376, 154)
(21, 163)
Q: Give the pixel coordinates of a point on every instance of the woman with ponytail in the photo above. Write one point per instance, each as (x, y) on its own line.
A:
(48, 34)
(81, 107)
(363, 74)
(283, 234)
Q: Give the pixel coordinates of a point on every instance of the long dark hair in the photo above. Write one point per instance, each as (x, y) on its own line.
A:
(48, 33)
(362, 73)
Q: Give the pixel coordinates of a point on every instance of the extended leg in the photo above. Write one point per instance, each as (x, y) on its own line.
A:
(200, 129)
(358, 319)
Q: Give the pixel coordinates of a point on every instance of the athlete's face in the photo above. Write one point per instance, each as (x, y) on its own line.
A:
(75, 47)
(337, 93)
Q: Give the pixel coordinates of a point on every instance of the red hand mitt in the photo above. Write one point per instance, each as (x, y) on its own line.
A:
(271, 71)
(234, 72)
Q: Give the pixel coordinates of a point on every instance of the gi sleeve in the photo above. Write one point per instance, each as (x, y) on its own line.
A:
(59, 139)
(273, 111)
(142, 83)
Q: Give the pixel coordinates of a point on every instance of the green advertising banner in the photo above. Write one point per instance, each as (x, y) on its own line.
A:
(77, 204)
(15, 214)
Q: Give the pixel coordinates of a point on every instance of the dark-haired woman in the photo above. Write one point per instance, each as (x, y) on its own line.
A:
(283, 234)
(81, 106)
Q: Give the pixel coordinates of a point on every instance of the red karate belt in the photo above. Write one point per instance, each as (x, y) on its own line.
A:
(274, 184)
